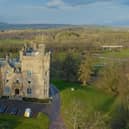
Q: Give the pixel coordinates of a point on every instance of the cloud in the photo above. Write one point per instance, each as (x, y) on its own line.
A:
(55, 3)
(87, 2)
(70, 4)
(84, 2)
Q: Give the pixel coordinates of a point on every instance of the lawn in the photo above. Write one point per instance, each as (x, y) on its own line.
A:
(15, 122)
(91, 99)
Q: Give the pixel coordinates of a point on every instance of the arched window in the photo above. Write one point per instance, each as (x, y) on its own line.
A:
(17, 81)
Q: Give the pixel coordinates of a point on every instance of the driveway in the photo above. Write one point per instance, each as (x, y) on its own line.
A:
(57, 122)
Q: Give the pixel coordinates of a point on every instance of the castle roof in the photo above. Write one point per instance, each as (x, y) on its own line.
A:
(11, 62)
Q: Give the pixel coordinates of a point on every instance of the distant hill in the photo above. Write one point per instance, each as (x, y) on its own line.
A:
(6, 26)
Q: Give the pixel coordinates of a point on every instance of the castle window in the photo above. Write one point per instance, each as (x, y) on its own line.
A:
(29, 91)
(17, 81)
(29, 73)
(17, 70)
(7, 89)
(7, 71)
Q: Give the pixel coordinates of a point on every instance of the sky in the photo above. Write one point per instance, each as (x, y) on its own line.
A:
(76, 12)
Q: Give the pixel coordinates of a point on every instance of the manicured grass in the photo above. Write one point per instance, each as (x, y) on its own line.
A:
(15, 122)
(91, 99)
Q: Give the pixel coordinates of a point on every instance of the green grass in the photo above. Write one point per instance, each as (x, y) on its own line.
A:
(124, 53)
(91, 99)
(15, 122)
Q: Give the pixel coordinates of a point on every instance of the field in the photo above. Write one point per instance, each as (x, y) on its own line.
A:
(117, 54)
(11, 41)
(14, 122)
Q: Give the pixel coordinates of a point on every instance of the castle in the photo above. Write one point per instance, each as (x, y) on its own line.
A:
(27, 76)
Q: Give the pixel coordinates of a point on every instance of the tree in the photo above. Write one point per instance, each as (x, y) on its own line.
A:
(120, 118)
(75, 115)
(96, 120)
(113, 79)
(77, 119)
(0, 81)
(85, 69)
(70, 67)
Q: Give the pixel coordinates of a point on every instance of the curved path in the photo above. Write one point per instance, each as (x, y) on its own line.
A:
(57, 122)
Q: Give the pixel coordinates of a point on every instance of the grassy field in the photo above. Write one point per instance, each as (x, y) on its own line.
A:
(91, 99)
(14, 122)
(117, 54)
(11, 41)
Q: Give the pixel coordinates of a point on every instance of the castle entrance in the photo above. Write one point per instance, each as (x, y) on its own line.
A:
(16, 95)
(16, 91)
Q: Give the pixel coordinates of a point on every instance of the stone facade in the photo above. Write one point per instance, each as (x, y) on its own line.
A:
(28, 76)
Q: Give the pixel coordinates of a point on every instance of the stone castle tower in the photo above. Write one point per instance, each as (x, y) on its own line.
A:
(29, 76)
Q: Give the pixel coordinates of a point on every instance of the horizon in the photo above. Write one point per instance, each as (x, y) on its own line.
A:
(73, 25)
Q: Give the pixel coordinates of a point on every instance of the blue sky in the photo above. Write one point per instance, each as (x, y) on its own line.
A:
(101, 12)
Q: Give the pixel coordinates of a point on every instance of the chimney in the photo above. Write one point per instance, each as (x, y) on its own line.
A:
(7, 58)
(21, 54)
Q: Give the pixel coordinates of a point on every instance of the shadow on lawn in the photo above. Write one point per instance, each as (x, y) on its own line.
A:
(62, 85)
(105, 107)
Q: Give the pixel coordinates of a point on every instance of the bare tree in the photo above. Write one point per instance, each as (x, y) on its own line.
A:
(74, 115)
(77, 118)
